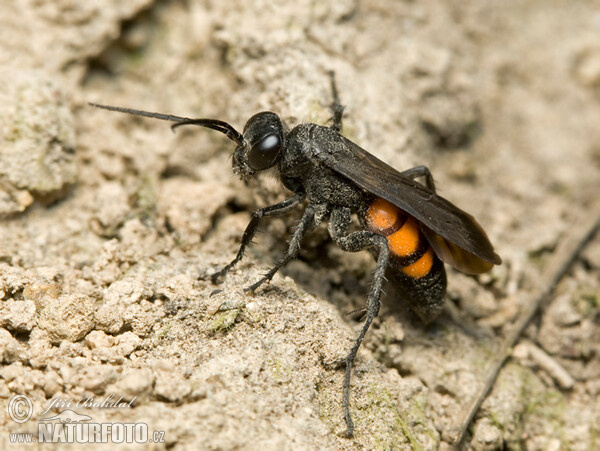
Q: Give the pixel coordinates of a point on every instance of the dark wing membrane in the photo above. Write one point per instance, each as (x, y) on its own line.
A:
(452, 254)
(455, 236)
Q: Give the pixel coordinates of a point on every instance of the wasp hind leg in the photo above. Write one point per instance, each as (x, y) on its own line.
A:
(421, 171)
(251, 228)
(354, 242)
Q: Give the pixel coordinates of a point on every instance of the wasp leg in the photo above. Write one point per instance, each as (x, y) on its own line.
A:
(309, 221)
(421, 171)
(273, 210)
(337, 109)
(354, 242)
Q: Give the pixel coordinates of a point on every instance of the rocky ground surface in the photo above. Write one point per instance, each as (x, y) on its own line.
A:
(111, 224)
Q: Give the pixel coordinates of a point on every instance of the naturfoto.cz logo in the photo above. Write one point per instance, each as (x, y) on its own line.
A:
(69, 426)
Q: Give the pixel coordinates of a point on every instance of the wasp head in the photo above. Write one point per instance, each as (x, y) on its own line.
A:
(263, 140)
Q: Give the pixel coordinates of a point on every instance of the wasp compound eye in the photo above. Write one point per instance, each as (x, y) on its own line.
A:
(264, 153)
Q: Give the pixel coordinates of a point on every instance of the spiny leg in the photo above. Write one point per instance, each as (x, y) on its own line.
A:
(273, 210)
(337, 109)
(421, 171)
(354, 242)
(308, 222)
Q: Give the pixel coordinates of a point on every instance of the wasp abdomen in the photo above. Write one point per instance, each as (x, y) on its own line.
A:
(408, 247)
(413, 266)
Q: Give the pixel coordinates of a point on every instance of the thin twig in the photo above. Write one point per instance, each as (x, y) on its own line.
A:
(544, 361)
(560, 263)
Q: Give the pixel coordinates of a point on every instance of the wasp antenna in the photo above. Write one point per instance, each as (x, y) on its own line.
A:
(162, 117)
(213, 124)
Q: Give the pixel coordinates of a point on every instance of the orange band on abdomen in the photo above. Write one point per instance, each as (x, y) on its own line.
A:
(382, 215)
(421, 267)
(405, 240)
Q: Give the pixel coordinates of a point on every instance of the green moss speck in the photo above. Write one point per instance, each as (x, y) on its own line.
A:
(380, 398)
(586, 301)
(223, 321)
(280, 372)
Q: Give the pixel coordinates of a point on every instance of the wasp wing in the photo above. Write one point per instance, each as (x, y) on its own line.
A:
(455, 236)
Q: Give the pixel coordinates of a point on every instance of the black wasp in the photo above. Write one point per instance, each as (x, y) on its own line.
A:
(410, 230)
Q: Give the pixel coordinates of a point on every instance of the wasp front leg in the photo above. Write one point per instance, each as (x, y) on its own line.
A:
(251, 228)
(313, 215)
